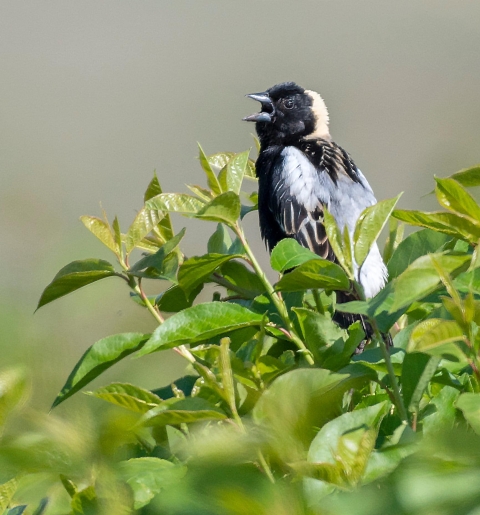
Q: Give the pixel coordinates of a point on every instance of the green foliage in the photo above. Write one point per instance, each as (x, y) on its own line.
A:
(276, 413)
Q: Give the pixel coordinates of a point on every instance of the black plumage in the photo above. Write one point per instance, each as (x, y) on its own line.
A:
(301, 171)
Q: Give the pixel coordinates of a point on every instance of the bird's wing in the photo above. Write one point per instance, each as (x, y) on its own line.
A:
(305, 181)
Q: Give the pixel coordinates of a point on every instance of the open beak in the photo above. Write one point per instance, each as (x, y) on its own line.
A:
(267, 111)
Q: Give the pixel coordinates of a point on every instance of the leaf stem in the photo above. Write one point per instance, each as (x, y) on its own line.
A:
(279, 304)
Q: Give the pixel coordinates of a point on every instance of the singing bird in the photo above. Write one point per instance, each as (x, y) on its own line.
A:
(301, 171)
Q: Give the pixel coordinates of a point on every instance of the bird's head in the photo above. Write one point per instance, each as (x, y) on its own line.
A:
(289, 113)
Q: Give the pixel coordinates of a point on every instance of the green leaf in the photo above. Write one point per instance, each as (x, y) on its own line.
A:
(7, 491)
(127, 396)
(369, 226)
(448, 223)
(157, 260)
(174, 299)
(320, 332)
(412, 247)
(417, 371)
(220, 160)
(239, 275)
(184, 411)
(432, 333)
(288, 254)
(85, 502)
(118, 237)
(101, 230)
(149, 476)
(41, 507)
(153, 188)
(17, 510)
(336, 241)
(231, 179)
(74, 276)
(378, 308)
(145, 221)
(421, 277)
(224, 209)
(213, 183)
(346, 443)
(452, 196)
(469, 177)
(100, 356)
(316, 273)
(13, 391)
(220, 241)
(394, 238)
(469, 403)
(199, 323)
(175, 203)
(198, 269)
(468, 282)
(299, 402)
(185, 384)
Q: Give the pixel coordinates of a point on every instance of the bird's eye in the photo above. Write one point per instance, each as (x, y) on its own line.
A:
(289, 103)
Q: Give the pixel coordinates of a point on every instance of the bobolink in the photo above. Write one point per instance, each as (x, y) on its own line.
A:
(301, 171)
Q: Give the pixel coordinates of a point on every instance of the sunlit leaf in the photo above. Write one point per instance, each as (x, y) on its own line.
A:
(288, 253)
(127, 396)
(199, 323)
(232, 174)
(203, 193)
(98, 358)
(434, 332)
(316, 273)
(143, 224)
(469, 177)
(175, 203)
(448, 223)
(74, 276)
(211, 177)
(370, 225)
(7, 491)
(225, 209)
(101, 230)
(412, 247)
(452, 196)
(421, 277)
(335, 240)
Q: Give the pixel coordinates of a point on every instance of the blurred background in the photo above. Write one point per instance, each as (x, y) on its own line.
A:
(96, 95)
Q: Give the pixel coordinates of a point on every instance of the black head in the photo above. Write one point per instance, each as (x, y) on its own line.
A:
(289, 113)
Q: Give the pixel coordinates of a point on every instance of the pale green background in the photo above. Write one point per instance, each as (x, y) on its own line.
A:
(95, 95)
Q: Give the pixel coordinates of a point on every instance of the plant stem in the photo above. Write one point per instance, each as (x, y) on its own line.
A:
(391, 373)
(279, 304)
(181, 349)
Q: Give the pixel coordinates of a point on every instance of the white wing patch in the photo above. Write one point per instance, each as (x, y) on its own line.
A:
(345, 200)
